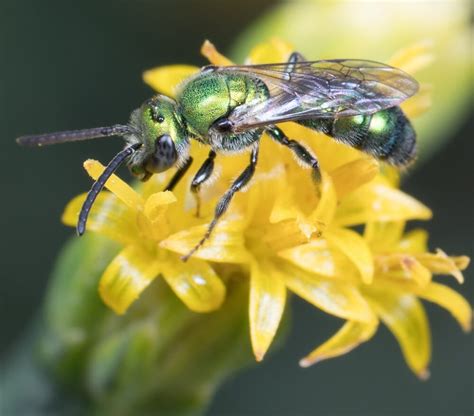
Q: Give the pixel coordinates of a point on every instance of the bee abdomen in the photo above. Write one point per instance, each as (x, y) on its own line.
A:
(386, 135)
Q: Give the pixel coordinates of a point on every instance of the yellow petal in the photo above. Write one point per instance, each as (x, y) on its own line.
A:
(391, 175)
(415, 241)
(383, 236)
(209, 51)
(318, 257)
(416, 271)
(414, 58)
(285, 210)
(114, 184)
(324, 213)
(405, 316)
(442, 295)
(379, 202)
(108, 217)
(267, 303)
(419, 103)
(129, 273)
(285, 234)
(401, 266)
(157, 204)
(441, 263)
(153, 222)
(450, 300)
(166, 79)
(355, 248)
(334, 297)
(343, 341)
(352, 175)
(276, 50)
(194, 282)
(226, 244)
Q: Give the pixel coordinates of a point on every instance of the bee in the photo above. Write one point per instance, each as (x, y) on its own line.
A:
(229, 108)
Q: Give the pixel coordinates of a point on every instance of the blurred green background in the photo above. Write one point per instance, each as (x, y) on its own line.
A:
(68, 65)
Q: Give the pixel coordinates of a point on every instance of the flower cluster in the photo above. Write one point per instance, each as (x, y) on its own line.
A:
(284, 236)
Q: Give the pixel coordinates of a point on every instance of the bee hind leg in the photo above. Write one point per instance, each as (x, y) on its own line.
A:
(303, 154)
(224, 202)
(202, 175)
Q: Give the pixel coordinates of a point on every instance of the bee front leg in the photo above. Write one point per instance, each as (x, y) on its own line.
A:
(224, 202)
(179, 174)
(202, 175)
(299, 150)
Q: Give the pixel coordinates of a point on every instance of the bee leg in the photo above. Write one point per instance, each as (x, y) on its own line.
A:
(179, 174)
(299, 150)
(202, 175)
(224, 202)
(294, 57)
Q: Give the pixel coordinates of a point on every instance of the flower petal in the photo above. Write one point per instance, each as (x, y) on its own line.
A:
(450, 300)
(405, 316)
(157, 204)
(275, 50)
(413, 242)
(383, 236)
(355, 248)
(123, 191)
(285, 234)
(267, 303)
(166, 79)
(129, 273)
(209, 51)
(155, 223)
(354, 174)
(379, 202)
(326, 208)
(334, 297)
(194, 282)
(416, 271)
(108, 217)
(343, 341)
(419, 103)
(318, 257)
(414, 57)
(441, 263)
(226, 244)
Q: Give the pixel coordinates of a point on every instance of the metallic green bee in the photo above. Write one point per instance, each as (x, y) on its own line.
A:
(229, 108)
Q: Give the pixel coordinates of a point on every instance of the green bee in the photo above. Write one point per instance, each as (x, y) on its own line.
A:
(229, 108)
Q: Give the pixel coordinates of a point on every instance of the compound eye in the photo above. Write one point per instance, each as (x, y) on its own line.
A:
(165, 155)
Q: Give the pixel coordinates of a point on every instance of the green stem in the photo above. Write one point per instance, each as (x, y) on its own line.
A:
(160, 358)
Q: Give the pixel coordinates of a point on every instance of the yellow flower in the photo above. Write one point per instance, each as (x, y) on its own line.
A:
(285, 235)
(140, 221)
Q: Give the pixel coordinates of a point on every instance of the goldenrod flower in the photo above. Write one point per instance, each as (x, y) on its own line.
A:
(284, 235)
(140, 221)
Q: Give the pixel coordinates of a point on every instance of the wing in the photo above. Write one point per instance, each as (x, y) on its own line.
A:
(321, 89)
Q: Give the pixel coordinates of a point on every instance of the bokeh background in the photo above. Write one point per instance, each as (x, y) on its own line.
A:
(68, 65)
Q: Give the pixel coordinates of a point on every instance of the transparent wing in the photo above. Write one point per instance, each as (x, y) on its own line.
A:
(321, 89)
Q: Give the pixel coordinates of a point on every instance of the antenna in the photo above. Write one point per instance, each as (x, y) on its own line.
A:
(99, 185)
(73, 135)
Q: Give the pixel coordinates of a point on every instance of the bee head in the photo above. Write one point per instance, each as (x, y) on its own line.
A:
(158, 127)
